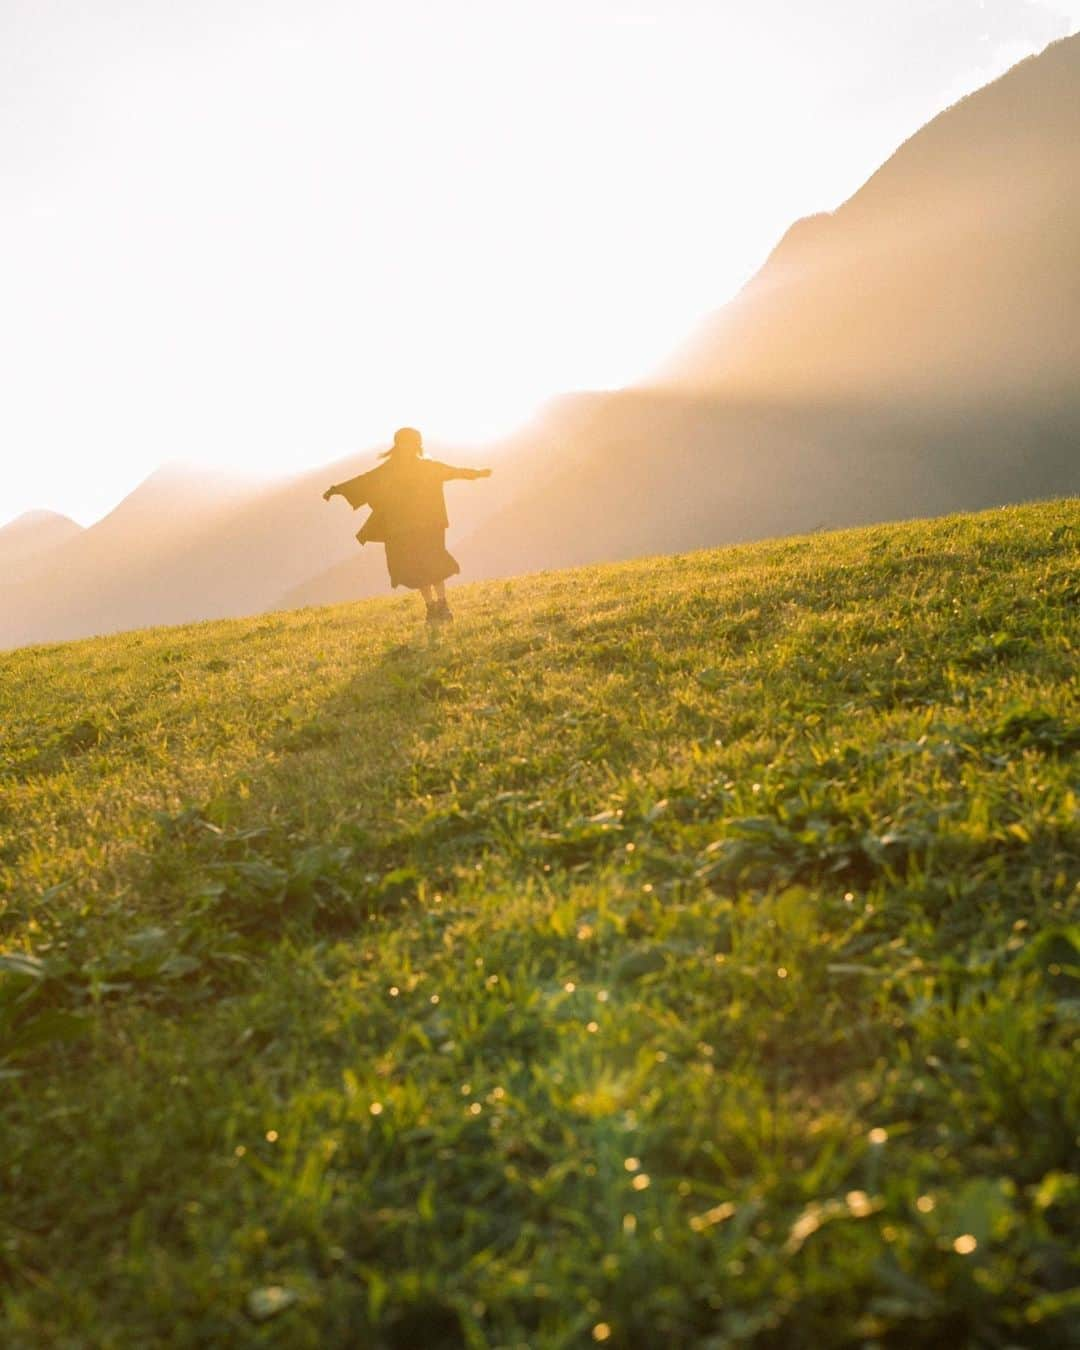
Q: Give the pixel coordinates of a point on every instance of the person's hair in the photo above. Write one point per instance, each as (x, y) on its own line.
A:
(406, 440)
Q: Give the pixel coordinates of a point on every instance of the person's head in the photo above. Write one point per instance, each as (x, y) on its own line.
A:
(408, 444)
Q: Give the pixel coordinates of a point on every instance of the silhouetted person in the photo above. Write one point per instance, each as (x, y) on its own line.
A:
(408, 515)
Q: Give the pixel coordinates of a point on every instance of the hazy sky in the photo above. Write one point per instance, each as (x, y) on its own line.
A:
(264, 233)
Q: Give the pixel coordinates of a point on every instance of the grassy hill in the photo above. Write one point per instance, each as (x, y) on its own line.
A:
(684, 952)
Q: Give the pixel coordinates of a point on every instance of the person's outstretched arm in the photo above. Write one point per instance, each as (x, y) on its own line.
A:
(354, 490)
(452, 473)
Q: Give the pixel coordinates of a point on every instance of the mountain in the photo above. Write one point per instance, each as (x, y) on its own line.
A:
(106, 577)
(27, 541)
(953, 274)
(913, 353)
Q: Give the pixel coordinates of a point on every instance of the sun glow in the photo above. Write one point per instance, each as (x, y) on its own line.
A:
(262, 238)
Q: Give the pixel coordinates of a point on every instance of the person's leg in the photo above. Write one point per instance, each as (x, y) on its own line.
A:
(430, 603)
(442, 609)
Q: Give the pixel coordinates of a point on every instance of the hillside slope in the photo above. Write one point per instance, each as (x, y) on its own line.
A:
(679, 953)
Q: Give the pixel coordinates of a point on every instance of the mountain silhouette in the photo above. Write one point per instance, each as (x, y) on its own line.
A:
(27, 541)
(101, 579)
(953, 273)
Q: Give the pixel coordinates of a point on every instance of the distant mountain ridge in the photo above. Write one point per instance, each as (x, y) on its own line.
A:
(27, 541)
(191, 544)
(955, 267)
(34, 520)
(102, 578)
(912, 353)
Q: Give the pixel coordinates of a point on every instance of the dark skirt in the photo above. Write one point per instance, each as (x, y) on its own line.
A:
(419, 558)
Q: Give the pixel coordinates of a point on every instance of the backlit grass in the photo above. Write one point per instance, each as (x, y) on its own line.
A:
(684, 952)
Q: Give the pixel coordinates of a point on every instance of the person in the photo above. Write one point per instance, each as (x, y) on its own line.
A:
(408, 515)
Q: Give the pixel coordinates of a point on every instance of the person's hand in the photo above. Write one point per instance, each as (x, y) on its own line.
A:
(330, 492)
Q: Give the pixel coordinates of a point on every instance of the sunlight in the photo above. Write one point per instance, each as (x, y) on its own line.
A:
(327, 221)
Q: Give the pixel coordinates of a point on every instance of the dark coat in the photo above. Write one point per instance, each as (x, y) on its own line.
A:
(405, 495)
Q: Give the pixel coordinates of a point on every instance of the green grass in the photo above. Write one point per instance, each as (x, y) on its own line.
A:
(684, 952)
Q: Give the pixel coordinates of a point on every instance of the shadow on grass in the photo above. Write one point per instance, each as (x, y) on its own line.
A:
(316, 839)
(309, 842)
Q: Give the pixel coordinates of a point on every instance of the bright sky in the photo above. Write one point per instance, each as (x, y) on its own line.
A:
(263, 233)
